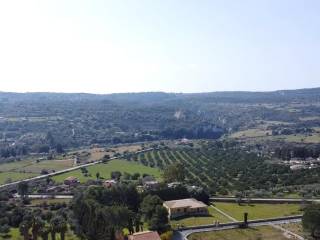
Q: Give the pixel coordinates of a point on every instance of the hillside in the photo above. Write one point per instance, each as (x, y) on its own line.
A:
(38, 122)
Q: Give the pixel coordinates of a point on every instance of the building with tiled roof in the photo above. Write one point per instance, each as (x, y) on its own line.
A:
(148, 235)
(185, 207)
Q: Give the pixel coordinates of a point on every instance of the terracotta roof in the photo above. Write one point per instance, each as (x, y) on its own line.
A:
(185, 203)
(145, 236)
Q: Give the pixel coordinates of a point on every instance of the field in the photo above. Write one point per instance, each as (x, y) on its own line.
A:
(106, 169)
(251, 133)
(265, 233)
(259, 211)
(201, 220)
(6, 177)
(10, 172)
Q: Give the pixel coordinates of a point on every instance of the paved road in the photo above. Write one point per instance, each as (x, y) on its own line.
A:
(182, 235)
(63, 171)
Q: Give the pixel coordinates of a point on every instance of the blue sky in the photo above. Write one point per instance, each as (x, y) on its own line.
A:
(159, 45)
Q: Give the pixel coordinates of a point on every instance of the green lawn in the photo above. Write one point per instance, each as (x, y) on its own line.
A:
(200, 220)
(261, 233)
(106, 169)
(14, 176)
(259, 211)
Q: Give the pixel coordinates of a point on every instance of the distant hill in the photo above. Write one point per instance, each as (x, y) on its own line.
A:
(79, 119)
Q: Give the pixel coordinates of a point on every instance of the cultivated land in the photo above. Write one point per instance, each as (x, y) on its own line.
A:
(265, 233)
(200, 220)
(6, 177)
(259, 211)
(106, 169)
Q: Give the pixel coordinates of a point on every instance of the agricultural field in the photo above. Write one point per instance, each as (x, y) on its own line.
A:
(106, 169)
(7, 177)
(200, 220)
(265, 233)
(259, 211)
(251, 133)
(223, 171)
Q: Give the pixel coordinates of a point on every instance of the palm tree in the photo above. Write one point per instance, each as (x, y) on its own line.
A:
(44, 233)
(24, 229)
(37, 225)
(58, 225)
(63, 228)
(54, 227)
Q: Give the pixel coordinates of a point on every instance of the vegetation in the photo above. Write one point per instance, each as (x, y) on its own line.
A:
(224, 168)
(311, 220)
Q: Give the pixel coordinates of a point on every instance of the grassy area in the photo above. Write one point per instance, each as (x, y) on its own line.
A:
(251, 133)
(265, 233)
(15, 234)
(6, 177)
(49, 165)
(259, 211)
(200, 220)
(106, 169)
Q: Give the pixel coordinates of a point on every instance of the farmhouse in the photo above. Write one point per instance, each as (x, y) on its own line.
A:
(109, 183)
(148, 235)
(71, 181)
(185, 207)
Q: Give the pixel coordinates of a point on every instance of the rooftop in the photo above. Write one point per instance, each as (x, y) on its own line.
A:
(183, 203)
(148, 235)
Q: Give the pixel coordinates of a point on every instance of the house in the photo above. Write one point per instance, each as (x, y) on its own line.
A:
(151, 185)
(148, 235)
(185, 207)
(109, 183)
(71, 181)
(174, 184)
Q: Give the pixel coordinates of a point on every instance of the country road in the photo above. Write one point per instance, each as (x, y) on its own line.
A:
(64, 171)
(183, 234)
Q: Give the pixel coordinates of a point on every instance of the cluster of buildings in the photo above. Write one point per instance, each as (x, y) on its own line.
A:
(308, 163)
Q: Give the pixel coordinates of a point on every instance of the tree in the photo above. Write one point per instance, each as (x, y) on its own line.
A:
(116, 175)
(159, 221)
(44, 233)
(148, 206)
(24, 229)
(23, 188)
(174, 173)
(36, 226)
(98, 175)
(54, 227)
(311, 220)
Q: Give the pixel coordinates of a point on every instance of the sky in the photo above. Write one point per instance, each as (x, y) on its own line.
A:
(159, 45)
